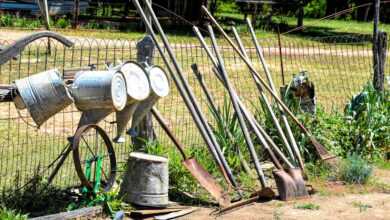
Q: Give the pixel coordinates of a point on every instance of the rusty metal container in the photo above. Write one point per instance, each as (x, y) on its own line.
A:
(99, 90)
(43, 94)
(159, 85)
(146, 180)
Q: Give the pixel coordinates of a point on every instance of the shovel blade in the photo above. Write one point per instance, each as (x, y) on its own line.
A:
(285, 184)
(207, 181)
(296, 175)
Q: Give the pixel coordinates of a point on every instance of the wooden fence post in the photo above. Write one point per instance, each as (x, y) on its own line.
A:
(379, 50)
(144, 130)
(380, 53)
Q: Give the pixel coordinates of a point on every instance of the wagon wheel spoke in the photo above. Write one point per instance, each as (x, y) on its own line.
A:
(89, 148)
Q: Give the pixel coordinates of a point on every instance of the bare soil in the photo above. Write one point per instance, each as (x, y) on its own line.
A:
(350, 206)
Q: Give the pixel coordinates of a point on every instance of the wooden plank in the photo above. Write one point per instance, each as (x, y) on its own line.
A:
(90, 212)
(174, 215)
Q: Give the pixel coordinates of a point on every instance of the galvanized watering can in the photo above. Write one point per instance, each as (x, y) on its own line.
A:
(43, 94)
(138, 89)
(159, 85)
(99, 90)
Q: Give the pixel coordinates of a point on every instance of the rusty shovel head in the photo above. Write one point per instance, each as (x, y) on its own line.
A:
(285, 184)
(296, 175)
(207, 181)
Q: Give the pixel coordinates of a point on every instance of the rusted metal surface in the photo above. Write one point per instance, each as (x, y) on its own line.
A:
(197, 171)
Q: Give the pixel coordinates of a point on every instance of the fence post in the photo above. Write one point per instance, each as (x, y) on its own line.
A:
(144, 131)
(380, 53)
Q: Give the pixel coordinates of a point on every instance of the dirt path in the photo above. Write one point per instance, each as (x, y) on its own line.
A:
(353, 206)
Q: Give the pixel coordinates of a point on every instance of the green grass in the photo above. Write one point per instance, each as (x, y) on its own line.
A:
(307, 206)
(362, 206)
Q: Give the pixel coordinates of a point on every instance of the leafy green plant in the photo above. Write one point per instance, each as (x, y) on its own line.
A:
(355, 170)
(307, 206)
(62, 23)
(7, 214)
(228, 132)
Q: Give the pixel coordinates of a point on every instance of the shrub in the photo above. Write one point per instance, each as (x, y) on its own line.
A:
(7, 214)
(355, 170)
(62, 23)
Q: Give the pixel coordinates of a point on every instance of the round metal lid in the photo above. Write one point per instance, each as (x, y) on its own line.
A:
(136, 80)
(118, 91)
(148, 157)
(159, 81)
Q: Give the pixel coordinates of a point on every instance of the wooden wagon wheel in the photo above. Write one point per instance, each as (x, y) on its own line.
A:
(94, 157)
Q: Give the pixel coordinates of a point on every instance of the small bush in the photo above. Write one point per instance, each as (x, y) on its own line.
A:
(7, 214)
(62, 23)
(355, 170)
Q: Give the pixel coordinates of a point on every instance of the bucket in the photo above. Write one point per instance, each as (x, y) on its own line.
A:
(146, 180)
(43, 94)
(99, 90)
(160, 88)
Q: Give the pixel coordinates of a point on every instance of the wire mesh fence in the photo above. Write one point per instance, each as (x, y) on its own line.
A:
(338, 66)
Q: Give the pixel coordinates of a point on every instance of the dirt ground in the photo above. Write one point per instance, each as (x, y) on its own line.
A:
(332, 201)
(351, 206)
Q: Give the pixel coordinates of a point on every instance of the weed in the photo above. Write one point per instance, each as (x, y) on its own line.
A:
(62, 23)
(7, 214)
(307, 206)
(362, 207)
(355, 170)
(278, 214)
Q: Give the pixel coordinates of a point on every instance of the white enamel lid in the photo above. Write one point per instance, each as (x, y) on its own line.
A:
(118, 91)
(158, 81)
(136, 80)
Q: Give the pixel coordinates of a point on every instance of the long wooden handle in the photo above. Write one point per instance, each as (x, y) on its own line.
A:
(168, 131)
(252, 68)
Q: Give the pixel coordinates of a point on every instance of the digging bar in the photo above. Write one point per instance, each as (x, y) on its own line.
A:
(289, 186)
(271, 83)
(323, 153)
(266, 191)
(186, 94)
(264, 98)
(197, 171)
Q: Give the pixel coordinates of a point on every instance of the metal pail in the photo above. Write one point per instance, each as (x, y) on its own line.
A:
(137, 81)
(160, 88)
(44, 94)
(122, 119)
(146, 180)
(99, 90)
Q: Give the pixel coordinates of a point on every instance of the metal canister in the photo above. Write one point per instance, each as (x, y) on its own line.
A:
(146, 180)
(99, 90)
(138, 89)
(137, 81)
(160, 88)
(44, 94)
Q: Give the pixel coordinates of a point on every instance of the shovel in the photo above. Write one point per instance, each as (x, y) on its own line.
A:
(288, 186)
(321, 151)
(265, 191)
(196, 170)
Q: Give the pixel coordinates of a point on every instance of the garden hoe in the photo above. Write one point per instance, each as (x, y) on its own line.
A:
(287, 186)
(295, 173)
(186, 93)
(196, 170)
(323, 153)
(265, 192)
